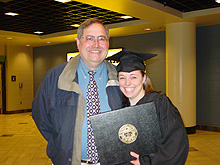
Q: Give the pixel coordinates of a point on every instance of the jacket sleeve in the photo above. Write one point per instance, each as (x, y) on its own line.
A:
(174, 146)
(40, 109)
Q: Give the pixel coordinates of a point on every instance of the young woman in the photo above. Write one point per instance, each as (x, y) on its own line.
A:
(137, 88)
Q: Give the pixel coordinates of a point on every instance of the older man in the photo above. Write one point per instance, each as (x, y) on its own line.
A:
(62, 105)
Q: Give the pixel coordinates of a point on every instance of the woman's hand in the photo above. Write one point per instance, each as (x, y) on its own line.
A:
(135, 162)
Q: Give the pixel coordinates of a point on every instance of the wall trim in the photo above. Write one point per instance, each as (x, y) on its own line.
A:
(190, 130)
(208, 128)
(19, 111)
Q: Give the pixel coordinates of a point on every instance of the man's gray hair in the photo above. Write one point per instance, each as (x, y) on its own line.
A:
(87, 23)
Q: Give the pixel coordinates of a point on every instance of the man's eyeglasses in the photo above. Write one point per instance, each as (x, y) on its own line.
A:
(91, 39)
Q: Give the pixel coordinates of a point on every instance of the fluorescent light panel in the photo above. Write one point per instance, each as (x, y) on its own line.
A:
(11, 14)
(75, 25)
(147, 29)
(126, 17)
(63, 1)
(38, 32)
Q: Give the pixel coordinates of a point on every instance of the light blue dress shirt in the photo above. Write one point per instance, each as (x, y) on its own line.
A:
(101, 78)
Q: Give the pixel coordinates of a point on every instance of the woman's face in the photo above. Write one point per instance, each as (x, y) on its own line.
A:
(131, 84)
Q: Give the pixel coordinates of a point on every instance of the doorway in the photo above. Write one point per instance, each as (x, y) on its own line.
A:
(2, 89)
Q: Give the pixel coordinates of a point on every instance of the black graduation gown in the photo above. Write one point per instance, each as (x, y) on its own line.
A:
(174, 146)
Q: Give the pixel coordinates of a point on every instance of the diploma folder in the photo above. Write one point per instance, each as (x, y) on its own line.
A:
(119, 132)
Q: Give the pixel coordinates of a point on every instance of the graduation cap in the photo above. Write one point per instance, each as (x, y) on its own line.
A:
(130, 61)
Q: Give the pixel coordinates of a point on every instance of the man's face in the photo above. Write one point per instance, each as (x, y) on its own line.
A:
(92, 47)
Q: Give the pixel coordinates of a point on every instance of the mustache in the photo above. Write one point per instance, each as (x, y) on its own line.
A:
(95, 49)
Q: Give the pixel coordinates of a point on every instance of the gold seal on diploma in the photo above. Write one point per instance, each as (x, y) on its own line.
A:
(128, 134)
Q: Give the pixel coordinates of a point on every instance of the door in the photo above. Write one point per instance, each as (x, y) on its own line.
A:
(2, 89)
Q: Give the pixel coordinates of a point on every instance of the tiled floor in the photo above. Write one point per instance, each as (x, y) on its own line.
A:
(22, 144)
(20, 141)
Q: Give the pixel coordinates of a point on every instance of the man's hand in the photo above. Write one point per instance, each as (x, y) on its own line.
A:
(135, 162)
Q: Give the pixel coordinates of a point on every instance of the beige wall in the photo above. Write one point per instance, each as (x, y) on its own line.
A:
(19, 63)
(2, 50)
(1, 110)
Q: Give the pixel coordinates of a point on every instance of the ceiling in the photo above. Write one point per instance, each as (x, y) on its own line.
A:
(189, 5)
(54, 18)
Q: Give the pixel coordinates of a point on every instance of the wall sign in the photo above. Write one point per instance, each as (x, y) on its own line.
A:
(13, 78)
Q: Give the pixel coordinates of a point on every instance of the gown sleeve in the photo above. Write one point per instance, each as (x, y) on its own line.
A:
(174, 146)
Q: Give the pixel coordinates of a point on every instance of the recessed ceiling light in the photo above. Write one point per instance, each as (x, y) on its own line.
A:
(27, 45)
(147, 29)
(75, 25)
(9, 38)
(63, 1)
(126, 17)
(218, 1)
(38, 32)
(48, 42)
(11, 14)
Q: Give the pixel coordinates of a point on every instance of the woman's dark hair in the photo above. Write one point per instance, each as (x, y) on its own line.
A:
(147, 84)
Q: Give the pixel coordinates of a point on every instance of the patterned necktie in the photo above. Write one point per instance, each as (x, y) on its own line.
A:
(93, 108)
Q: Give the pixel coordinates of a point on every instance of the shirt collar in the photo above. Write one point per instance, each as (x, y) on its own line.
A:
(85, 69)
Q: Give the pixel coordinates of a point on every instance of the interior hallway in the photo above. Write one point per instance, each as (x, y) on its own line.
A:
(22, 144)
